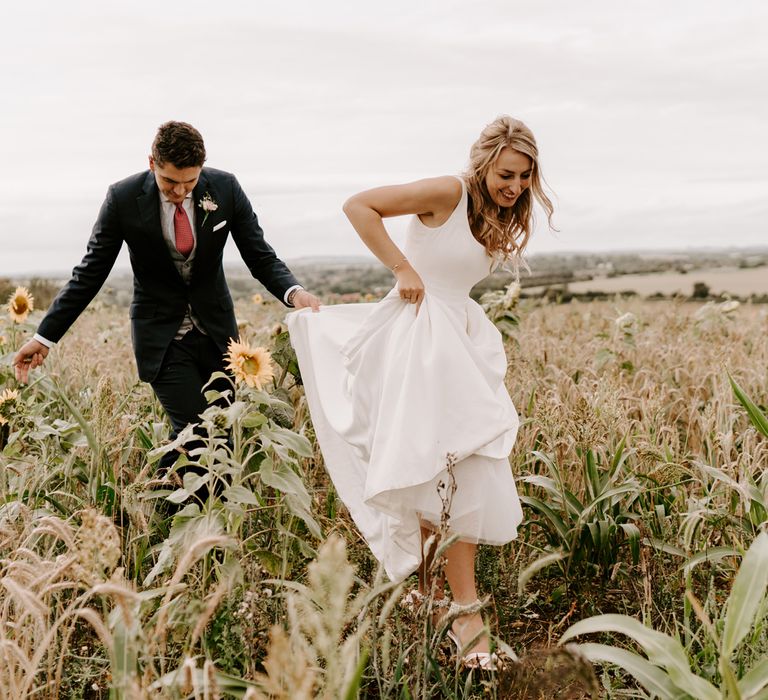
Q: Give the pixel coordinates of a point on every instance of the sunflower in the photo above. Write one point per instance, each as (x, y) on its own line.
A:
(250, 365)
(20, 304)
(9, 395)
(257, 299)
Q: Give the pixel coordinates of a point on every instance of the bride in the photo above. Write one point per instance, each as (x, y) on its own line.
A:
(407, 396)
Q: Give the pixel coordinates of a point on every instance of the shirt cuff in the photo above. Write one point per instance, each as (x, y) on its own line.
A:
(39, 338)
(288, 293)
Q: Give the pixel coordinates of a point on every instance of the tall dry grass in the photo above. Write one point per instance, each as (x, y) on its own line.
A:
(580, 378)
(77, 618)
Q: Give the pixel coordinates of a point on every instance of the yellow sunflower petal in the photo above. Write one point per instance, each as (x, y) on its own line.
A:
(20, 303)
(9, 395)
(249, 365)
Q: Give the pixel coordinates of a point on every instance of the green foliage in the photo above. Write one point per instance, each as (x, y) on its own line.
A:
(758, 417)
(245, 457)
(500, 307)
(285, 356)
(588, 530)
(665, 670)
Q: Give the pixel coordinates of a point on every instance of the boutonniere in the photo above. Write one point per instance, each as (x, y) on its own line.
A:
(207, 204)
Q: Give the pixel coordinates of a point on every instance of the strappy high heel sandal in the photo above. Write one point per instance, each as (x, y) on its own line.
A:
(483, 660)
(413, 599)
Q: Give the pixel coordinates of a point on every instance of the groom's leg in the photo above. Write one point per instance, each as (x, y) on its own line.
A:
(179, 383)
(186, 369)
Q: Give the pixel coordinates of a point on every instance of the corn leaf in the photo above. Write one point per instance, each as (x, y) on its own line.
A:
(711, 554)
(755, 680)
(532, 569)
(758, 418)
(651, 677)
(540, 507)
(633, 536)
(747, 594)
(662, 650)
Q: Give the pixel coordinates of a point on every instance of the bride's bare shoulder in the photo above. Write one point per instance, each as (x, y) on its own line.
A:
(445, 194)
(431, 198)
(446, 189)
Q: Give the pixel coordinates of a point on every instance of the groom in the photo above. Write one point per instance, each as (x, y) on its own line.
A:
(175, 219)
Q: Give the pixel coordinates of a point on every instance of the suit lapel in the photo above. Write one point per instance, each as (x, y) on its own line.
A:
(203, 220)
(204, 190)
(149, 207)
(149, 210)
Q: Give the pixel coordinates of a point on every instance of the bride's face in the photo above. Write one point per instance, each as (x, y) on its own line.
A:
(508, 177)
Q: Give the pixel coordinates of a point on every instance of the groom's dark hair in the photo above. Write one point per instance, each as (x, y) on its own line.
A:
(178, 144)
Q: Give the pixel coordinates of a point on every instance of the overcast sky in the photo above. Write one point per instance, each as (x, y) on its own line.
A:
(651, 116)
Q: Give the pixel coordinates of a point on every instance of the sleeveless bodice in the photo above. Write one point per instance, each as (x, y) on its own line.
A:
(448, 258)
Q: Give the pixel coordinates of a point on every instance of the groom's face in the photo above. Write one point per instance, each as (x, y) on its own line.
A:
(175, 183)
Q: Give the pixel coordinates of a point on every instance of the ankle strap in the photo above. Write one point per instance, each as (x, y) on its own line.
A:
(414, 598)
(460, 609)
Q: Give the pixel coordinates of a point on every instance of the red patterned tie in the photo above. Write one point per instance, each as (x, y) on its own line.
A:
(185, 241)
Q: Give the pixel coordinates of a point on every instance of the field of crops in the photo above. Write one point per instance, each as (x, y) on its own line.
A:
(641, 570)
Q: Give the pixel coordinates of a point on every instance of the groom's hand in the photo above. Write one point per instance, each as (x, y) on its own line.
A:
(302, 299)
(32, 354)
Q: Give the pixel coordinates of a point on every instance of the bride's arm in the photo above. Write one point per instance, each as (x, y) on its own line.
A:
(434, 198)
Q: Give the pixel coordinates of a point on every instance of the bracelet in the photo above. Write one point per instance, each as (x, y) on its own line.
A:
(395, 266)
(292, 295)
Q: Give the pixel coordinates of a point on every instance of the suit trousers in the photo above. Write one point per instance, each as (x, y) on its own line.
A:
(186, 369)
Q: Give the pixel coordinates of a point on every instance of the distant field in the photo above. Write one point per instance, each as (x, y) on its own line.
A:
(732, 280)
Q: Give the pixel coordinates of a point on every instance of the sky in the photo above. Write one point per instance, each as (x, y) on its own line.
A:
(650, 115)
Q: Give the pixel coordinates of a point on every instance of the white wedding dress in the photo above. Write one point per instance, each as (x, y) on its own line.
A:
(393, 392)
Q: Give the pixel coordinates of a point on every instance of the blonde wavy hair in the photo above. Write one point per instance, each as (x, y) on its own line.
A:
(504, 231)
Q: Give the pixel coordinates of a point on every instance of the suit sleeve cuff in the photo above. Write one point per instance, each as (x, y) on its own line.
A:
(288, 292)
(39, 338)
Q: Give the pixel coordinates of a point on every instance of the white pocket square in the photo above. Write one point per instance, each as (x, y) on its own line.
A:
(220, 225)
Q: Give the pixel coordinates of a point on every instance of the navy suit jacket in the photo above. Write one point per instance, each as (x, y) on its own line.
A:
(131, 214)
